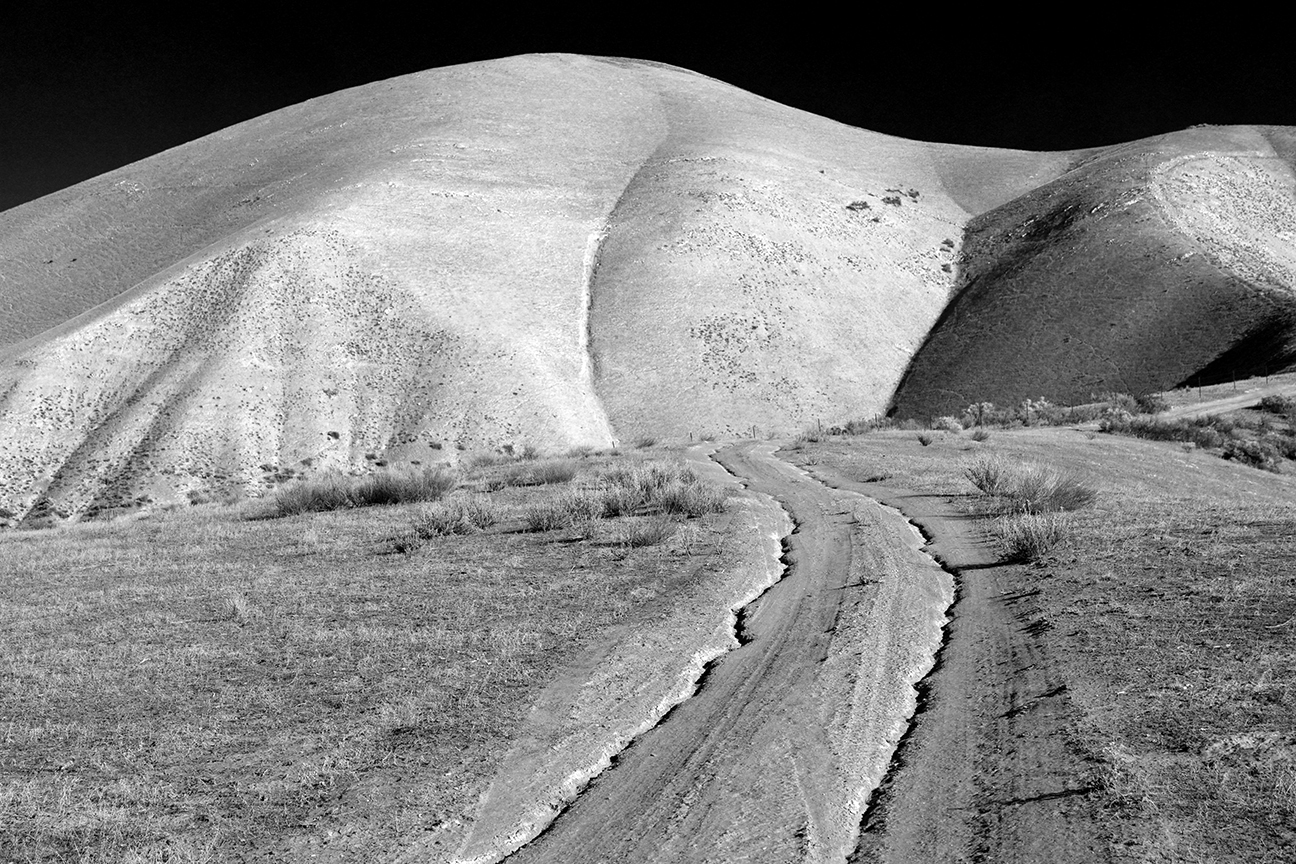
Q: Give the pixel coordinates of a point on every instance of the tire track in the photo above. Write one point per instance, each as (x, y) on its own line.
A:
(773, 759)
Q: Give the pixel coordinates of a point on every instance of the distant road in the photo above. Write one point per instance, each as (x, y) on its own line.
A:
(1245, 399)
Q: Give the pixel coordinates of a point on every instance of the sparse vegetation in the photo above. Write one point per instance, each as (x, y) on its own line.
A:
(217, 684)
(464, 515)
(1254, 441)
(1027, 537)
(645, 531)
(541, 472)
(1029, 488)
(336, 491)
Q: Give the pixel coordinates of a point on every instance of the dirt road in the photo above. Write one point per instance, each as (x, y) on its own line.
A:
(774, 757)
(1231, 402)
(986, 771)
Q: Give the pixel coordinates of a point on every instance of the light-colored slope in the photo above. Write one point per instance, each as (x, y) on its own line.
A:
(425, 265)
(755, 275)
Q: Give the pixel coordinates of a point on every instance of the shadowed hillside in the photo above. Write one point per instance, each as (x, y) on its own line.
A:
(1151, 264)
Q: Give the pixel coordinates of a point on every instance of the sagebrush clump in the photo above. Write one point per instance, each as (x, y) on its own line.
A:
(336, 491)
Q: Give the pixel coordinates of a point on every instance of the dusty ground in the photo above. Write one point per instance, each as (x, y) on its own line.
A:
(774, 757)
(1127, 699)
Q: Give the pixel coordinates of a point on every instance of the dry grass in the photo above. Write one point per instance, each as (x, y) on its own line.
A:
(627, 488)
(1172, 618)
(1028, 537)
(197, 686)
(534, 473)
(336, 491)
(1029, 487)
(646, 531)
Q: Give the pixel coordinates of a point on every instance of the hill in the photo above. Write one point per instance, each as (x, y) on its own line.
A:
(546, 250)
(559, 251)
(1162, 262)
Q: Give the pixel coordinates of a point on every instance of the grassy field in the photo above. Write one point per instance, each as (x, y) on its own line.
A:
(1171, 604)
(200, 685)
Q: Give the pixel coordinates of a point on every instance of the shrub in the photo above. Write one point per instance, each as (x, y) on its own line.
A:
(1259, 454)
(860, 426)
(1205, 432)
(1282, 405)
(989, 474)
(648, 531)
(1028, 537)
(1029, 488)
(327, 492)
(562, 511)
(690, 499)
(1152, 403)
(402, 487)
(335, 491)
(644, 442)
(1039, 489)
(947, 424)
(980, 434)
(458, 516)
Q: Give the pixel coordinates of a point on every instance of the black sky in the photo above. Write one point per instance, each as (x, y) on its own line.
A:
(83, 94)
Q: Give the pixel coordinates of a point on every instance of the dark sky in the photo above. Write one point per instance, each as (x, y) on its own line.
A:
(81, 95)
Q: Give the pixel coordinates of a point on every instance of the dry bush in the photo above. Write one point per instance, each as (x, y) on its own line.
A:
(564, 510)
(335, 491)
(1030, 536)
(648, 531)
(458, 516)
(690, 499)
(533, 473)
(622, 490)
(1029, 487)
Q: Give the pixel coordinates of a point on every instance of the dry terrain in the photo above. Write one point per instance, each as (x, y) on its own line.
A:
(561, 251)
(708, 649)
(1126, 698)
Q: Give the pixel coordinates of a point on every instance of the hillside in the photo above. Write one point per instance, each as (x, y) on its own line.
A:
(553, 250)
(561, 251)
(1162, 262)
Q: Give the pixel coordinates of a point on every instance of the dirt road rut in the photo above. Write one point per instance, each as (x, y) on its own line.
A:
(775, 755)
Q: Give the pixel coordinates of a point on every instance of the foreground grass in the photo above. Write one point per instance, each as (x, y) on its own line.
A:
(1172, 611)
(201, 687)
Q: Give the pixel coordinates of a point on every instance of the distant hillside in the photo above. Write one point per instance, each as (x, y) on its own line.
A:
(558, 250)
(1165, 261)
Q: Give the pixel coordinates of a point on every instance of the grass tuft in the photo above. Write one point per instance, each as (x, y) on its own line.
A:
(1029, 487)
(458, 516)
(335, 491)
(1027, 537)
(648, 531)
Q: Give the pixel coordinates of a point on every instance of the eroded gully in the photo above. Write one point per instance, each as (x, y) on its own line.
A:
(774, 757)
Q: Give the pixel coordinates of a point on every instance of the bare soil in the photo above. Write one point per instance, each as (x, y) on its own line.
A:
(1129, 697)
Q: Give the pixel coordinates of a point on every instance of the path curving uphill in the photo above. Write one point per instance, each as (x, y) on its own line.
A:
(774, 758)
